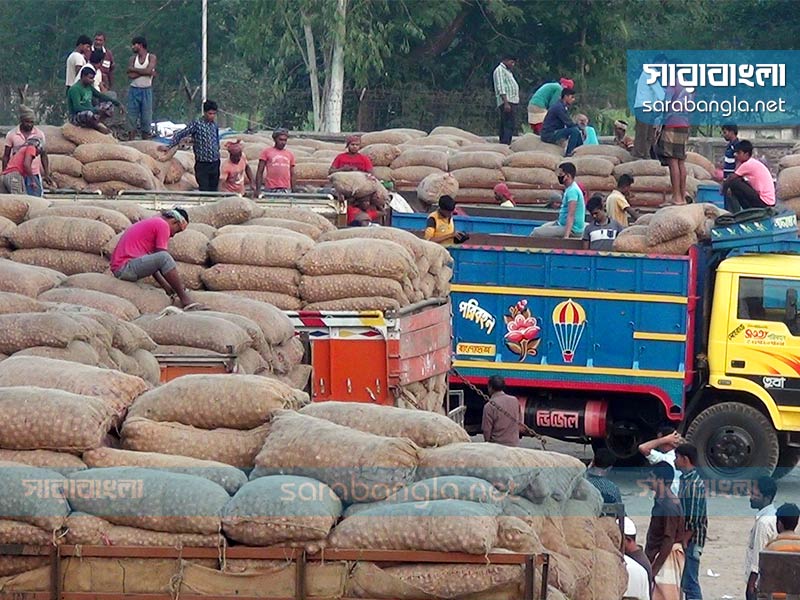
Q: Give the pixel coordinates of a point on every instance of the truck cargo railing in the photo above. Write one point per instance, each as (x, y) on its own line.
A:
(297, 556)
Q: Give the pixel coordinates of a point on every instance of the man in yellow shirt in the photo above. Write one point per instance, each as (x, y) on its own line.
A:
(618, 207)
(788, 540)
(440, 227)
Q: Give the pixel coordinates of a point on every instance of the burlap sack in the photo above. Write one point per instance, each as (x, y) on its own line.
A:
(288, 355)
(388, 136)
(638, 168)
(788, 183)
(276, 326)
(414, 174)
(24, 330)
(679, 245)
(324, 288)
(516, 535)
(119, 307)
(790, 160)
(173, 502)
(206, 230)
(436, 185)
(368, 303)
(700, 160)
(46, 419)
(251, 362)
(614, 153)
(17, 303)
(416, 247)
(215, 401)
(438, 526)
(149, 147)
(131, 210)
(226, 476)
(381, 155)
(55, 141)
(483, 160)
(673, 222)
(66, 165)
(67, 182)
(257, 339)
(302, 215)
(387, 259)
(17, 532)
(529, 159)
(114, 219)
(324, 155)
(149, 368)
(17, 208)
(230, 446)
(314, 171)
(355, 184)
(698, 172)
(85, 529)
(258, 249)
(125, 336)
(358, 466)
(307, 229)
(223, 277)
(68, 262)
(195, 329)
(116, 389)
(531, 175)
(33, 496)
(457, 132)
(62, 233)
(593, 183)
(227, 211)
(632, 239)
(60, 462)
(189, 247)
(266, 230)
(280, 509)
(530, 142)
(112, 188)
(88, 153)
(427, 142)
(77, 352)
(592, 165)
(475, 177)
(117, 170)
(423, 428)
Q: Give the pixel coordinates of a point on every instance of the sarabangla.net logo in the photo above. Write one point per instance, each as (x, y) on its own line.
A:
(725, 108)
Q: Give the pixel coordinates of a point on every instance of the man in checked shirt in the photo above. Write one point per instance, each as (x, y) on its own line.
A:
(205, 140)
(693, 501)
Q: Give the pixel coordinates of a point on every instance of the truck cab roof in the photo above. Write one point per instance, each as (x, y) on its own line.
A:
(775, 265)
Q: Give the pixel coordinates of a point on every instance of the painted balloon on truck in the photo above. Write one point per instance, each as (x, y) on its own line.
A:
(569, 321)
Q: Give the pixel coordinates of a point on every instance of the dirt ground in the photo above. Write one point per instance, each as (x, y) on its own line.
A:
(730, 520)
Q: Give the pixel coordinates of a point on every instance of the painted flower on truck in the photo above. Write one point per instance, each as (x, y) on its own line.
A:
(523, 332)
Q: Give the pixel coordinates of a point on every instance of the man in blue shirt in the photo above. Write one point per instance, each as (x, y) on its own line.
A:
(205, 139)
(572, 218)
(558, 125)
(730, 134)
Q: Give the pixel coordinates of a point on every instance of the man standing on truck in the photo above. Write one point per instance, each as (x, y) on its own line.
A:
(693, 502)
(276, 166)
(16, 139)
(440, 227)
(662, 449)
(730, 133)
(572, 216)
(601, 232)
(205, 142)
(501, 415)
(751, 184)
(665, 535)
(506, 92)
(618, 204)
(143, 251)
(764, 530)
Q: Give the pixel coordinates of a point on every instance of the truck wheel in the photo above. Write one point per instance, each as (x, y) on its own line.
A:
(734, 440)
(787, 460)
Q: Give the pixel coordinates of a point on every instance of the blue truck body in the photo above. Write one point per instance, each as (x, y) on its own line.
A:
(549, 319)
(491, 225)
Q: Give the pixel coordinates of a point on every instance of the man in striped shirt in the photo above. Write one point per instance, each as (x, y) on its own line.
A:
(506, 92)
(730, 133)
(693, 501)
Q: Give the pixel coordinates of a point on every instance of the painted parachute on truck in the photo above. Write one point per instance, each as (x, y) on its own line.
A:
(569, 321)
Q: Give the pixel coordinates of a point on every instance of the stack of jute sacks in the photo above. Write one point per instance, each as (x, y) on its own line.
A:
(788, 188)
(670, 230)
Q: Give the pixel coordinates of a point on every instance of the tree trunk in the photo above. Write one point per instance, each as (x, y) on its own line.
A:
(313, 73)
(335, 92)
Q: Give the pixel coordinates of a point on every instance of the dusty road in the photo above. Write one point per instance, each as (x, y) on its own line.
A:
(730, 520)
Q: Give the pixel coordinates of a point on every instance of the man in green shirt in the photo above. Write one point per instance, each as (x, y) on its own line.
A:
(79, 103)
(546, 96)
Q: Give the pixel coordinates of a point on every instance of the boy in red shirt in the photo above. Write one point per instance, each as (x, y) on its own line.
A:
(276, 166)
(235, 171)
(20, 166)
(352, 160)
(142, 251)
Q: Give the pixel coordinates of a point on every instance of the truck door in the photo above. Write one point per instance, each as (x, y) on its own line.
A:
(764, 336)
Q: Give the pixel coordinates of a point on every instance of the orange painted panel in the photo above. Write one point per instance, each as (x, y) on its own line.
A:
(170, 372)
(350, 371)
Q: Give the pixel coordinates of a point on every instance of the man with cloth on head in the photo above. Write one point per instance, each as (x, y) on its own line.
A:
(16, 139)
(12, 179)
(234, 171)
(621, 137)
(502, 196)
(276, 166)
(352, 160)
(143, 251)
(544, 99)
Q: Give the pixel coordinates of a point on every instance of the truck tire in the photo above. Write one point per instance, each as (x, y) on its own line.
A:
(734, 440)
(787, 460)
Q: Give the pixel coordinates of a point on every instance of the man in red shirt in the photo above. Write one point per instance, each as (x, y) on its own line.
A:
(276, 166)
(19, 167)
(142, 251)
(352, 160)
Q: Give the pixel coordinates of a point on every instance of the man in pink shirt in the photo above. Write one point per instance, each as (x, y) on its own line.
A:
(751, 184)
(276, 166)
(16, 139)
(142, 251)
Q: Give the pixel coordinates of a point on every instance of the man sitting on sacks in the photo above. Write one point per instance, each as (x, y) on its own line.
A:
(142, 251)
(79, 103)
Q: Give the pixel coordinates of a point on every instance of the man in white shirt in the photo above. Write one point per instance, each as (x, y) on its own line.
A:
(765, 529)
(77, 60)
(95, 58)
(662, 448)
(506, 93)
(638, 584)
(646, 121)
